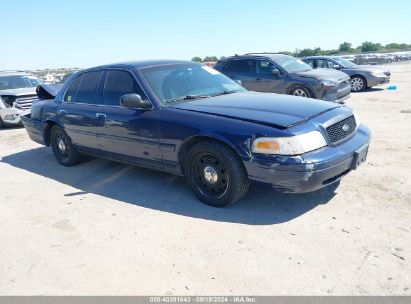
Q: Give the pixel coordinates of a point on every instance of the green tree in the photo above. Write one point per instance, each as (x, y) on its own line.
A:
(210, 58)
(197, 59)
(367, 46)
(345, 47)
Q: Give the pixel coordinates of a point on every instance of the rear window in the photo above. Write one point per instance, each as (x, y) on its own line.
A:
(245, 66)
(72, 89)
(87, 90)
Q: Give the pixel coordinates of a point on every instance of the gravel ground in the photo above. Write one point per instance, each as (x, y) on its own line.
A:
(105, 228)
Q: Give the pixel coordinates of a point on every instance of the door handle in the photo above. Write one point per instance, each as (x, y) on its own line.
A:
(63, 112)
(101, 116)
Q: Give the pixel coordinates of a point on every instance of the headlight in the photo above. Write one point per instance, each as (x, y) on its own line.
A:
(357, 118)
(329, 83)
(378, 74)
(293, 145)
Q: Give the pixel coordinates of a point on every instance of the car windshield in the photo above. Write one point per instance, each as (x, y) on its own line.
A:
(18, 82)
(345, 63)
(291, 64)
(187, 81)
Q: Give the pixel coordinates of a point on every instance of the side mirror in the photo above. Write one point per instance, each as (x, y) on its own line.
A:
(275, 72)
(134, 101)
(336, 66)
(238, 81)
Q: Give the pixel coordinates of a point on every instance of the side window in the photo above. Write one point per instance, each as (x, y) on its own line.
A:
(87, 90)
(245, 66)
(72, 89)
(229, 67)
(264, 67)
(324, 64)
(310, 62)
(117, 84)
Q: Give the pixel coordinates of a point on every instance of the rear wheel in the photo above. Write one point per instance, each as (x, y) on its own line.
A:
(1, 124)
(63, 150)
(215, 174)
(358, 83)
(301, 92)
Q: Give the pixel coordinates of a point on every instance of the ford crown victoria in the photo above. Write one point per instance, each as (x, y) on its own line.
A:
(191, 120)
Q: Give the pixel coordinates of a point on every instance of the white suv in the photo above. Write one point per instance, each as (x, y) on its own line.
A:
(17, 92)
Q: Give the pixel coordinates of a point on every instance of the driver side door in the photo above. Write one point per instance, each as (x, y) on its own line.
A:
(266, 81)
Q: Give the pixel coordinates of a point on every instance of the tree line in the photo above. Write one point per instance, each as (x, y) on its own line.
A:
(343, 49)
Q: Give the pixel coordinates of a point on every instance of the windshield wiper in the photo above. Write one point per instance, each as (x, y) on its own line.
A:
(225, 92)
(187, 97)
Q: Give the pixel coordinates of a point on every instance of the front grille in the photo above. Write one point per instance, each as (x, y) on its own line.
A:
(340, 130)
(24, 102)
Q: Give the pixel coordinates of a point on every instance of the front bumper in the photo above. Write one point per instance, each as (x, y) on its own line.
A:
(337, 94)
(12, 116)
(375, 81)
(310, 171)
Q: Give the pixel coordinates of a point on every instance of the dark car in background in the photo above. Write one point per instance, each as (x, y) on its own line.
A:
(361, 76)
(189, 119)
(278, 73)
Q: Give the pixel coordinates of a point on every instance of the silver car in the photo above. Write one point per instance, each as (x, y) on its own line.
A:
(361, 76)
(17, 92)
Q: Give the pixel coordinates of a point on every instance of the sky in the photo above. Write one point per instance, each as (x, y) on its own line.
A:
(85, 33)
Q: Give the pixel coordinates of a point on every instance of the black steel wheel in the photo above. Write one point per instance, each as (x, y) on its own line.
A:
(63, 150)
(216, 174)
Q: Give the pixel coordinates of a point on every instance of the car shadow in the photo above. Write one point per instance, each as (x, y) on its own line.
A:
(9, 128)
(164, 192)
(370, 90)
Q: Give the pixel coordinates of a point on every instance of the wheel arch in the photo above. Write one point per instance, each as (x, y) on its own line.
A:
(46, 132)
(191, 141)
(362, 77)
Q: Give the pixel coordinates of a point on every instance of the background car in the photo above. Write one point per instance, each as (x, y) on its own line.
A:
(361, 76)
(189, 119)
(17, 92)
(278, 73)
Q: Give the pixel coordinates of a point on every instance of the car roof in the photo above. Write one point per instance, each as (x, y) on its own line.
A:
(140, 64)
(319, 56)
(253, 55)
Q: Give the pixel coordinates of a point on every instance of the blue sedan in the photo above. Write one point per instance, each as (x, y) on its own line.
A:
(188, 119)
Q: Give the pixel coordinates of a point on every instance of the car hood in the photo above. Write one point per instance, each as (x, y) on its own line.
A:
(19, 92)
(324, 74)
(279, 111)
(367, 68)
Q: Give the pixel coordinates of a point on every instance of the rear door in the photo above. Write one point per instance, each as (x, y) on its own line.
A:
(243, 70)
(77, 112)
(128, 132)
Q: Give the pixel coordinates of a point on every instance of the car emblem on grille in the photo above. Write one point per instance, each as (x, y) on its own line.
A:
(346, 127)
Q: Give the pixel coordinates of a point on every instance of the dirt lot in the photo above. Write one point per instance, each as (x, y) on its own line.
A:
(106, 228)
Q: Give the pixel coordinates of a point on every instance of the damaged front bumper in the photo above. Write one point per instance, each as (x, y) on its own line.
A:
(12, 116)
(310, 171)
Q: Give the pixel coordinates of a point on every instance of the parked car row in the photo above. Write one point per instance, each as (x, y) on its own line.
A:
(189, 119)
(377, 58)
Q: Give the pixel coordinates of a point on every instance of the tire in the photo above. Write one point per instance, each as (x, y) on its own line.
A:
(301, 91)
(216, 174)
(63, 150)
(358, 84)
(1, 124)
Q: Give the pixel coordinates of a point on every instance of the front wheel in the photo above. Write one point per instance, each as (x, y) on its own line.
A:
(215, 174)
(357, 84)
(300, 92)
(63, 150)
